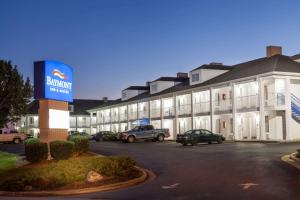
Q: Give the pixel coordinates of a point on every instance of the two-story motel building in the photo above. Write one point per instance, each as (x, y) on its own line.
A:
(80, 119)
(256, 100)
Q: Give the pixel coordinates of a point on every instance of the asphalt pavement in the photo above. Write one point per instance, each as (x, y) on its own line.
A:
(216, 171)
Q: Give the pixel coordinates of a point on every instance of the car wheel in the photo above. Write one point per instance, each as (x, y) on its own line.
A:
(209, 142)
(219, 140)
(17, 141)
(193, 143)
(130, 139)
(161, 138)
(184, 144)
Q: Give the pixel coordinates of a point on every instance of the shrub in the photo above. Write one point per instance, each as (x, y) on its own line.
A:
(298, 153)
(36, 152)
(32, 141)
(61, 150)
(81, 144)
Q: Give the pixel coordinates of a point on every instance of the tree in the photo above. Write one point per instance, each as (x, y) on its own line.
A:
(15, 93)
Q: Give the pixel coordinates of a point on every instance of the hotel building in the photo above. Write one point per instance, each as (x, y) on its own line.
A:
(257, 100)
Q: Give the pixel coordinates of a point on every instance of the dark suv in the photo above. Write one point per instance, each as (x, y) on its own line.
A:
(199, 135)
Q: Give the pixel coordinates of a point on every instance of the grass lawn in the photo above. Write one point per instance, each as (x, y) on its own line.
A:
(49, 175)
(7, 161)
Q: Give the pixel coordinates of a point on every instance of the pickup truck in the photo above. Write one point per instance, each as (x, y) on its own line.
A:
(145, 132)
(12, 136)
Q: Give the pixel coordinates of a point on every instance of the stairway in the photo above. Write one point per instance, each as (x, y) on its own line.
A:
(295, 105)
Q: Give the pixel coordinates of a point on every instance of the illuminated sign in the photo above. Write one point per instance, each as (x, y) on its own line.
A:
(59, 119)
(53, 80)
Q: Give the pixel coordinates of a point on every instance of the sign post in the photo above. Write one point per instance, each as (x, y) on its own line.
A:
(53, 87)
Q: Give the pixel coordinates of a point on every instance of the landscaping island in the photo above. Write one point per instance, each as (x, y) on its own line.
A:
(75, 168)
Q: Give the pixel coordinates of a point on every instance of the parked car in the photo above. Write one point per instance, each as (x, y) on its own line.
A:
(12, 136)
(105, 136)
(199, 135)
(144, 132)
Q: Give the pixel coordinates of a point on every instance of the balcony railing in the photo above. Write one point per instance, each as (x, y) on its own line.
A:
(168, 111)
(93, 120)
(275, 99)
(143, 114)
(184, 109)
(246, 102)
(201, 107)
(155, 112)
(106, 119)
(223, 105)
(132, 116)
(123, 116)
(114, 118)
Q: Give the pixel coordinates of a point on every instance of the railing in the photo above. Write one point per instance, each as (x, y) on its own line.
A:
(123, 117)
(143, 114)
(201, 107)
(223, 105)
(184, 109)
(93, 120)
(155, 112)
(115, 117)
(168, 111)
(132, 115)
(276, 99)
(243, 102)
(106, 119)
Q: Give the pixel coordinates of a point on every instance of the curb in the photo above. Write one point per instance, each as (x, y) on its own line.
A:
(147, 176)
(288, 159)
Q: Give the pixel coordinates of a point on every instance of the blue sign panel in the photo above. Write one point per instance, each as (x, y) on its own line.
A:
(141, 122)
(53, 80)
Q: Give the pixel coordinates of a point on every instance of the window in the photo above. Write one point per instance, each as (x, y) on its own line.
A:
(154, 87)
(124, 95)
(224, 124)
(195, 77)
(197, 132)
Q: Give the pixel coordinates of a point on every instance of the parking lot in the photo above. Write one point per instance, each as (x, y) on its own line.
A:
(216, 171)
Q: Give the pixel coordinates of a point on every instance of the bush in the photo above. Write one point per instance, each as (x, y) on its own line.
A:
(81, 144)
(36, 152)
(114, 166)
(32, 141)
(56, 174)
(298, 153)
(61, 150)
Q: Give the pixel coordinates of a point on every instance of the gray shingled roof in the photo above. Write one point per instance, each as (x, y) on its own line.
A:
(175, 79)
(215, 66)
(138, 88)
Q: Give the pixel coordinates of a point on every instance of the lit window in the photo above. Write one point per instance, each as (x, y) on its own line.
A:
(195, 77)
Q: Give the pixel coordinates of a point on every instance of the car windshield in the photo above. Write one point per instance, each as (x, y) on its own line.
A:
(136, 128)
(189, 132)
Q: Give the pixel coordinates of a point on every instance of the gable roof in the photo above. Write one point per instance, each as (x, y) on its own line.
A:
(215, 66)
(138, 88)
(173, 79)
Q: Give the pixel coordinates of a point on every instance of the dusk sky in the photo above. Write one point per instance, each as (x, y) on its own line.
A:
(112, 44)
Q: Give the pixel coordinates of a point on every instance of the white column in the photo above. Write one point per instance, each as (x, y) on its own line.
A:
(288, 112)
(261, 109)
(235, 131)
(175, 116)
(211, 110)
(161, 112)
(192, 109)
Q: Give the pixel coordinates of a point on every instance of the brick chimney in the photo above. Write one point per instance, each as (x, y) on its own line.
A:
(105, 99)
(273, 50)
